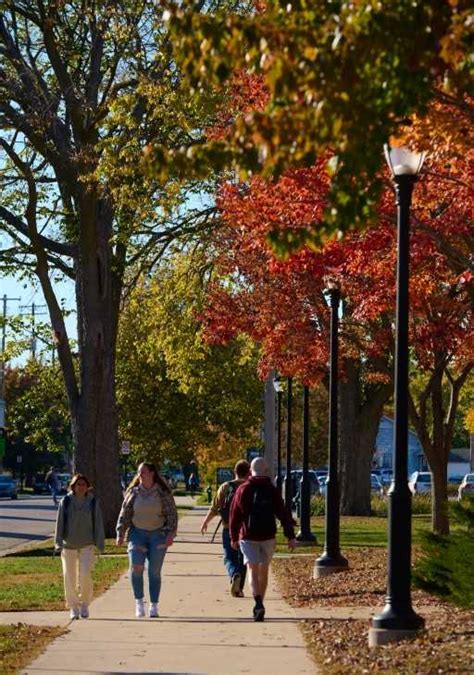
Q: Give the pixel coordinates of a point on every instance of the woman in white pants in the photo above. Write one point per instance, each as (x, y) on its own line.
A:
(79, 529)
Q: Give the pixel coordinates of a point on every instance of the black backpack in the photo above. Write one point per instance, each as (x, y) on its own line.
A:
(261, 521)
(224, 511)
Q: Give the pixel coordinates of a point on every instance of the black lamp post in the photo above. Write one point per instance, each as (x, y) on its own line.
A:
(278, 388)
(305, 533)
(398, 619)
(288, 481)
(332, 560)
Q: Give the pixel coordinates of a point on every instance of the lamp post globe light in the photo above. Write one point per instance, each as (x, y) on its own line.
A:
(398, 620)
(277, 384)
(305, 534)
(288, 481)
(332, 560)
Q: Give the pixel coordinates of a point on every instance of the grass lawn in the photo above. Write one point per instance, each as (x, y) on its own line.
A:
(355, 531)
(19, 644)
(33, 580)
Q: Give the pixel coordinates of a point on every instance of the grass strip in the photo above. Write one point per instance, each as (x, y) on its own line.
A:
(21, 643)
(33, 581)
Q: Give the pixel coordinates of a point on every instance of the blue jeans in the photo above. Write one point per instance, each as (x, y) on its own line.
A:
(233, 560)
(146, 545)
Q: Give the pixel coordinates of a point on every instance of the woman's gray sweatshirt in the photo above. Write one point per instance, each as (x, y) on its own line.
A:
(79, 523)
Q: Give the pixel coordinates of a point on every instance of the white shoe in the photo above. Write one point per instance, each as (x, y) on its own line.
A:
(139, 608)
(153, 610)
(74, 613)
(84, 611)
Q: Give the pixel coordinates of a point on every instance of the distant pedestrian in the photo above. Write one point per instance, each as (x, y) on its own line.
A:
(79, 528)
(149, 520)
(54, 484)
(252, 526)
(233, 559)
(193, 483)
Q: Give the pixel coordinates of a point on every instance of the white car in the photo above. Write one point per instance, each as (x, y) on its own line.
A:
(467, 486)
(420, 482)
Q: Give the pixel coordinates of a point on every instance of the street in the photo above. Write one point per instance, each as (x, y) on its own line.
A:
(24, 520)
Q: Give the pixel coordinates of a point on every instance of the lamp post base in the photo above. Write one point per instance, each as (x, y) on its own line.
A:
(306, 538)
(382, 636)
(326, 565)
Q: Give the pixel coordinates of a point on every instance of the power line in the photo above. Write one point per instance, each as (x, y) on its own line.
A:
(34, 313)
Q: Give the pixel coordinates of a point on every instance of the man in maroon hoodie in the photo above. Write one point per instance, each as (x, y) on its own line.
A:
(252, 525)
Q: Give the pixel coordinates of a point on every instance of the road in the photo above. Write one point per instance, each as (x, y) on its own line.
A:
(24, 520)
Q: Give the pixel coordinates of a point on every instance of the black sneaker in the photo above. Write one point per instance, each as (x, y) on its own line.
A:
(259, 613)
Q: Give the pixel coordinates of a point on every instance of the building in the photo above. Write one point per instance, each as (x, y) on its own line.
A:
(383, 457)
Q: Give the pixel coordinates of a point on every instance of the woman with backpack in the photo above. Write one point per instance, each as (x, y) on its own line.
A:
(79, 530)
(150, 520)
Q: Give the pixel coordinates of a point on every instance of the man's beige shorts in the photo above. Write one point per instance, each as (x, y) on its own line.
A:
(257, 552)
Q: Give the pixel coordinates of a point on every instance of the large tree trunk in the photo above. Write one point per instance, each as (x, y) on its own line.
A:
(95, 416)
(439, 504)
(359, 414)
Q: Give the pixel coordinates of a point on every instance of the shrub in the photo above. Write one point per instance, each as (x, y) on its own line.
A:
(445, 565)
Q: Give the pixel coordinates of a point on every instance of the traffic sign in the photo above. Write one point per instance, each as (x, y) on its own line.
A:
(125, 447)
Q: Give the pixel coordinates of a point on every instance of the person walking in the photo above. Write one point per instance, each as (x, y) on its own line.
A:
(233, 559)
(149, 519)
(252, 527)
(54, 484)
(79, 529)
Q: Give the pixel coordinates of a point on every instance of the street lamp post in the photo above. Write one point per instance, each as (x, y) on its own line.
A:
(288, 482)
(278, 388)
(398, 619)
(332, 560)
(305, 534)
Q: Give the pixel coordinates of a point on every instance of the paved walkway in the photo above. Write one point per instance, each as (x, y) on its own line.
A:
(201, 629)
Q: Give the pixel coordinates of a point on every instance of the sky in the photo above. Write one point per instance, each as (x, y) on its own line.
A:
(24, 293)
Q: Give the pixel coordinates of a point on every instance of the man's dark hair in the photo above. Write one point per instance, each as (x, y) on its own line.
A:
(242, 468)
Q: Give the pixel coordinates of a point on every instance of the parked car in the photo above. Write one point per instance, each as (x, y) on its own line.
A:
(467, 486)
(385, 475)
(39, 485)
(376, 487)
(64, 480)
(8, 487)
(296, 479)
(420, 482)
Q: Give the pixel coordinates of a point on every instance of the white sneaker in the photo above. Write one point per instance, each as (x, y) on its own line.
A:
(153, 610)
(84, 611)
(139, 608)
(74, 613)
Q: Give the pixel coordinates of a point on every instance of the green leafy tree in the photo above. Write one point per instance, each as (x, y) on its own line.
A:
(340, 76)
(75, 114)
(178, 397)
(39, 423)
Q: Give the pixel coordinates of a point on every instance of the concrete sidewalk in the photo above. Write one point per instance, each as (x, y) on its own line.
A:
(201, 628)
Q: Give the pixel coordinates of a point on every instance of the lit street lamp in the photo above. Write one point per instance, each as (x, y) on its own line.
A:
(305, 534)
(279, 389)
(398, 619)
(288, 481)
(332, 560)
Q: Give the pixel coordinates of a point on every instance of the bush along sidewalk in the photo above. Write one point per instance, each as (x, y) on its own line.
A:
(446, 563)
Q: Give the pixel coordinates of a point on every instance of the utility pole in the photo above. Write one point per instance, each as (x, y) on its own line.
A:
(2, 384)
(34, 314)
(269, 424)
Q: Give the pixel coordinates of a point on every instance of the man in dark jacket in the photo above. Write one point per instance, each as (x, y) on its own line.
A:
(252, 526)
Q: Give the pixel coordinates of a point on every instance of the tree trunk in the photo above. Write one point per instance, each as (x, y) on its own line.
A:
(359, 425)
(95, 416)
(439, 502)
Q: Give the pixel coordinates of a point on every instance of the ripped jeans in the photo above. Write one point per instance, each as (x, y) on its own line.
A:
(146, 545)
